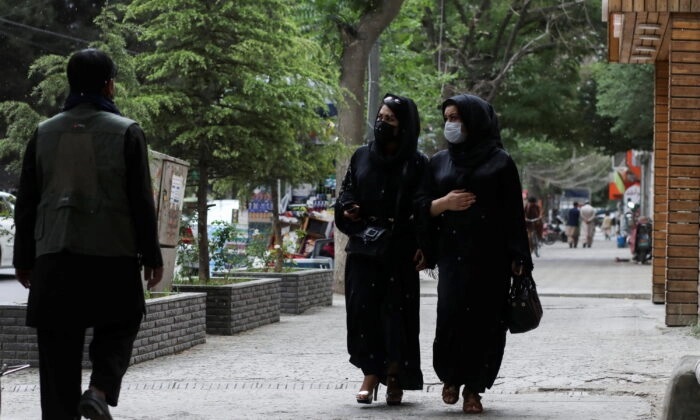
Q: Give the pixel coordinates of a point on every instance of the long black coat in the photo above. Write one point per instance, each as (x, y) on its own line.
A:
(382, 295)
(474, 250)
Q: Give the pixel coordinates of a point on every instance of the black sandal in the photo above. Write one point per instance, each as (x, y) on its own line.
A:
(394, 393)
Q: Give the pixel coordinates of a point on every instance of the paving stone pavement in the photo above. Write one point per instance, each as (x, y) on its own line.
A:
(601, 352)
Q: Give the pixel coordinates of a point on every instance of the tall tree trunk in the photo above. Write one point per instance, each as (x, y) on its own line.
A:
(203, 236)
(357, 43)
(373, 74)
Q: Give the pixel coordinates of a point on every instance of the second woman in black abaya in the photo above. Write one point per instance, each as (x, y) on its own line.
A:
(473, 195)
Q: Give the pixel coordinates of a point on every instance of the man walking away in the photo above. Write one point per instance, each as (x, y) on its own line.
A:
(85, 224)
(588, 222)
(572, 225)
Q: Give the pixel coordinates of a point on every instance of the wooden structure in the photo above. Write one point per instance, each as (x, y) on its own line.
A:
(666, 33)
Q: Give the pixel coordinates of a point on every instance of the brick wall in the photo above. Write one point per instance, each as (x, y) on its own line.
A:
(661, 164)
(173, 324)
(683, 241)
(233, 308)
(303, 289)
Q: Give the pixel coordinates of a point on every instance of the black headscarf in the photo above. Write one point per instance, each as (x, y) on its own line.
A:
(406, 113)
(483, 131)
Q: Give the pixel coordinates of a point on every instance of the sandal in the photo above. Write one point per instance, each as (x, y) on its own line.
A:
(370, 386)
(450, 394)
(394, 393)
(472, 402)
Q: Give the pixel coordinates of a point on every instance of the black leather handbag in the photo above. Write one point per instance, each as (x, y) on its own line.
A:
(372, 242)
(524, 307)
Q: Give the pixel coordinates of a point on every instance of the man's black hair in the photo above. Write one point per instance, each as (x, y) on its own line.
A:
(89, 71)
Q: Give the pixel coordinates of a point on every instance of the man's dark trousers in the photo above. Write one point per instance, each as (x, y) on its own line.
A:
(60, 365)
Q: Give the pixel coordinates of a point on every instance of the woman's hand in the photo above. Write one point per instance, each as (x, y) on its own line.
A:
(518, 268)
(24, 277)
(419, 259)
(352, 213)
(455, 200)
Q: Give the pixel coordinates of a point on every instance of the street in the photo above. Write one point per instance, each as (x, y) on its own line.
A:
(602, 351)
(11, 292)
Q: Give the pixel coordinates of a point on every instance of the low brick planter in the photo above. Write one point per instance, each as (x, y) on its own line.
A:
(173, 323)
(302, 289)
(237, 307)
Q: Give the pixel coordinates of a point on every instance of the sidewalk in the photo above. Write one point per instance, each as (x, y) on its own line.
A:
(591, 358)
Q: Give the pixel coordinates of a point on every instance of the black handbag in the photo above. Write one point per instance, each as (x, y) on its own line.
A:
(524, 307)
(373, 241)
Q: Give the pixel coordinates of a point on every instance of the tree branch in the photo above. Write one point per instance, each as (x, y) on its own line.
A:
(529, 48)
(516, 29)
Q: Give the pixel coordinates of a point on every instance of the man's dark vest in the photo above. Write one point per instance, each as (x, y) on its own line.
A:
(81, 172)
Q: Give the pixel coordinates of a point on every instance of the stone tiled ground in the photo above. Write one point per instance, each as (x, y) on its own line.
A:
(591, 358)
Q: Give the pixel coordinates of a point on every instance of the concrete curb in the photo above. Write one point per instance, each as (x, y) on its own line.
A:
(612, 295)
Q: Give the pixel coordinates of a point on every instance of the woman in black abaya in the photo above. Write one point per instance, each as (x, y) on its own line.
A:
(382, 294)
(472, 195)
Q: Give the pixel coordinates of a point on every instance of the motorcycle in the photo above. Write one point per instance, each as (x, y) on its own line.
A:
(553, 232)
(640, 240)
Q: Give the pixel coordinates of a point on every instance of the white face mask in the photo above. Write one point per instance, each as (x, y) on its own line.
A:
(453, 132)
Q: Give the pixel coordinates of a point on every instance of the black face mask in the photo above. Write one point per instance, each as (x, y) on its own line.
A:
(384, 134)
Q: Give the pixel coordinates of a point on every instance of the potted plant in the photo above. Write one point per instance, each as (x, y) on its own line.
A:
(233, 303)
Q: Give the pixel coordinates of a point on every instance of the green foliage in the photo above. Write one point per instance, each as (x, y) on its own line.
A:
(115, 35)
(238, 85)
(21, 121)
(47, 96)
(323, 20)
(625, 95)
(542, 108)
(221, 253)
(407, 68)
(51, 89)
(524, 57)
(534, 152)
(547, 167)
(483, 41)
(260, 256)
(147, 294)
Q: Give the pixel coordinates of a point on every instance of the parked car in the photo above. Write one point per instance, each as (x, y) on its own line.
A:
(7, 229)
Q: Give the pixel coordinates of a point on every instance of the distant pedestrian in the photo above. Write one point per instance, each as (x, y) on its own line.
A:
(472, 194)
(533, 217)
(85, 223)
(382, 290)
(573, 230)
(588, 223)
(607, 225)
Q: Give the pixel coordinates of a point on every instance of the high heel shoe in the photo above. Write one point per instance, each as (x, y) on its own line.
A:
(472, 402)
(365, 396)
(450, 394)
(394, 393)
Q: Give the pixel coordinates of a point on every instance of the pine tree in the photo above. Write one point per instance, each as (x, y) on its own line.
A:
(240, 88)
